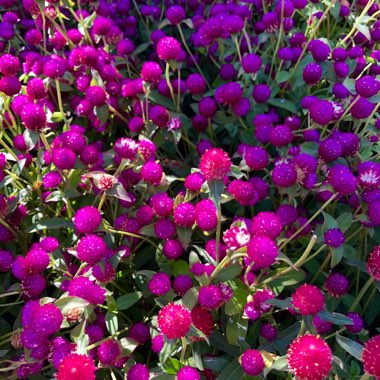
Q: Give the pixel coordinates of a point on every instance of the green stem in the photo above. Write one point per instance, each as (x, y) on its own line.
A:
(361, 294)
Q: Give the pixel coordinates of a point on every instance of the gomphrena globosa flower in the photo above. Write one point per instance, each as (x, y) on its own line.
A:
(215, 164)
(76, 367)
(308, 299)
(174, 321)
(252, 362)
(310, 357)
(371, 356)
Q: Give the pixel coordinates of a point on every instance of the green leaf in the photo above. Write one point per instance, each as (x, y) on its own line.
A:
(353, 348)
(68, 303)
(142, 47)
(329, 222)
(236, 328)
(310, 148)
(127, 300)
(112, 322)
(184, 236)
(344, 221)
(283, 103)
(229, 273)
(166, 351)
(31, 138)
(291, 278)
(190, 298)
(53, 224)
(102, 113)
(375, 99)
(128, 345)
(216, 188)
(233, 371)
(280, 364)
(337, 255)
(172, 366)
(283, 76)
(216, 363)
(335, 318)
(219, 341)
(236, 304)
(281, 304)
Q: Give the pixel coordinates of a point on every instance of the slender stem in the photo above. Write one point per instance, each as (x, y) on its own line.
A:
(102, 200)
(361, 294)
(170, 85)
(183, 351)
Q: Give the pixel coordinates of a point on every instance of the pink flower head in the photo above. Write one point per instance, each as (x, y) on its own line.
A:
(310, 357)
(371, 356)
(174, 321)
(215, 164)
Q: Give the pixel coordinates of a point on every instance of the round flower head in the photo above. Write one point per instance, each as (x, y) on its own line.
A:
(371, 356)
(159, 284)
(91, 249)
(76, 367)
(168, 48)
(6, 260)
(47, 319)
(184, 215)
(251, 63)
(109, 352)
(252, 362)
(312, 73)
(188, 373)
(164, 229)
(33, 116)
(172, 249)
(202, 319)
(261, 93)
(151, 72)
(244, 192)
(260, 298)
(196, 84)
(309, 357)
(284, 175)
(362, 108)
(37, 260)
(357, 323)
(336, 284)
(367, 86)
(174, 321)
(9, 65)
(263, 251)
(138, 372)
(63, 158)
(319, 50)
(256, 158)
(268, 332)
(10, 85)
(87, 219)
(369, 174)
(281, 135)
(334, 237)
(182, 283)
(206, 215)
(151, 172)
(162, 204)
(266, 223)
(308, 299)
(373, 263)
(158, 343)
(126, 148)
(175, 14)
(322, 112)
(374, 212)
(342, 180)
(84, 288)
(36, 89)
(210, 297)
(228, 93)
(330, 149)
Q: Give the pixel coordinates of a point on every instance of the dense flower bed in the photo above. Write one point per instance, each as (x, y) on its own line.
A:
(189, 189)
